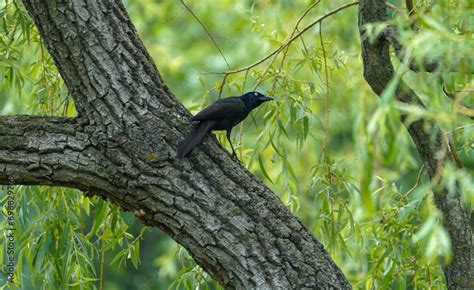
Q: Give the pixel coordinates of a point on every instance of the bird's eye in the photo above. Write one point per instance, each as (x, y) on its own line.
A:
(256, 94)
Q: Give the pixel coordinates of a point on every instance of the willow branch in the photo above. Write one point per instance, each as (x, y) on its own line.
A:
(289, 41)
(295, 30)
(207, 31)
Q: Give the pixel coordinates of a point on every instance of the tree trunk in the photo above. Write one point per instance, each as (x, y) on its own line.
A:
(122, 147)
(378, 72)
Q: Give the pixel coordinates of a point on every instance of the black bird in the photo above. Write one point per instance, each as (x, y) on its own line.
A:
(223, 114)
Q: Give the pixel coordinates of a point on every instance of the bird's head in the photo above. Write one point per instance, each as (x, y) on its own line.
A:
(254, 99)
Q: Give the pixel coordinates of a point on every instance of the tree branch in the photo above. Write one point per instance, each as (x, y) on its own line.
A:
(391, 34)
(430, 143)
(47, 151)
(290, 40)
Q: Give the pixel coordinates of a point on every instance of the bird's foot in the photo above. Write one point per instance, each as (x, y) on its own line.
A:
(234, 156)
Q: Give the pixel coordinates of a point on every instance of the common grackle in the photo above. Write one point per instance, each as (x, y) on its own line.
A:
(223, 114)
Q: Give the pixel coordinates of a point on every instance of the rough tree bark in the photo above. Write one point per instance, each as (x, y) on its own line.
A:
(434, 152)
(122, 147)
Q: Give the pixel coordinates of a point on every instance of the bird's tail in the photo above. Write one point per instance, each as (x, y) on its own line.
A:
(196, 136)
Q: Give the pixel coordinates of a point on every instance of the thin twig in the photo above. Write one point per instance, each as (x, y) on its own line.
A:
(418, 180)
(245, 81)
(304, 14)
(289, 41)
(241, 129)
(222, 86)
(457, 98)
(405, 195)
(207, 31)
(296, 29)
(391, 6)
(260, 79)
(288, 47)
(326, 104)
(102, 262)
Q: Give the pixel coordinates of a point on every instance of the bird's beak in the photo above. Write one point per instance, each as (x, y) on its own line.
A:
(265, 99)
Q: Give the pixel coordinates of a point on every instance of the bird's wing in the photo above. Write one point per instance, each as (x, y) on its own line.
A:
(221, 109)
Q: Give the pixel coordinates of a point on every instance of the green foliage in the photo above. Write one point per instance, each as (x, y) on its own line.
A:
(27, 70)
(191, 276)
(337, 155)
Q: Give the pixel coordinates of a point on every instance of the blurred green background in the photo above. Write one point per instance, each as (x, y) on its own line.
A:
(337, 155)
